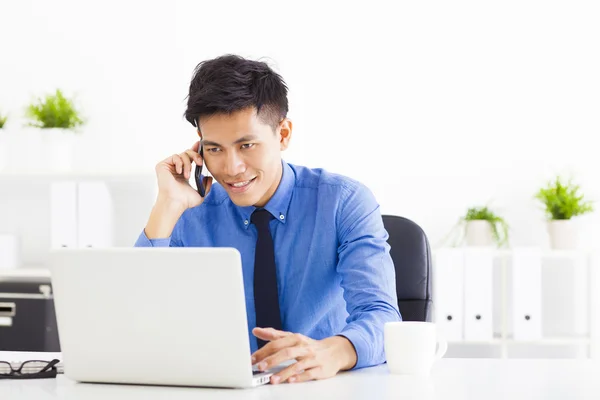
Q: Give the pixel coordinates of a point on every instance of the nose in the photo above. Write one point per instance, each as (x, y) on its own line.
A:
(234, 165)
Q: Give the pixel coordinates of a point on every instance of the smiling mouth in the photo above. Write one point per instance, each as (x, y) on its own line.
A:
(240, 186)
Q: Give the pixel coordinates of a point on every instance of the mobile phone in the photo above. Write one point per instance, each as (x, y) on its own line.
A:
(198, 173)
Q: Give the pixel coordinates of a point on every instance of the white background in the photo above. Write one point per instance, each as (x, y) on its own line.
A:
(436, 106)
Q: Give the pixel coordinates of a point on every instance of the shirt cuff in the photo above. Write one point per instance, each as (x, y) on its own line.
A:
(361, 346)
(143, 241)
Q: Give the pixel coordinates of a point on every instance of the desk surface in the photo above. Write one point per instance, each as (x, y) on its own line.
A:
(450, 379)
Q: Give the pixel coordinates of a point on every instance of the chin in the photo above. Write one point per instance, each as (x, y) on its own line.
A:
(243, 201)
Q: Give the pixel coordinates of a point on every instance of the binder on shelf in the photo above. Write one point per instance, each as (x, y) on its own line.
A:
(10, 251)
(565, 296)
(478, 311)
(527, 293)
(448, 275)
(95, 215)
(63, 214)
(581, 289)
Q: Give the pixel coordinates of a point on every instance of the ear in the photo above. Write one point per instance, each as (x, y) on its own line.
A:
(199, 134)
(285, 134)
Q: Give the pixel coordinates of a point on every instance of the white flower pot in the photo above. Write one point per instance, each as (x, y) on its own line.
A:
(563, 234)
(4, 145)
(57, 149)
(479, 233)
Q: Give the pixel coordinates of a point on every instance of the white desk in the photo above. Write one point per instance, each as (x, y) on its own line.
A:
(478, 379)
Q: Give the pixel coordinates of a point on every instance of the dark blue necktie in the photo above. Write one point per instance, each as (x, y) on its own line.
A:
(266, 300)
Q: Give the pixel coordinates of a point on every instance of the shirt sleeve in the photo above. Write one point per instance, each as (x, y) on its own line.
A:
(367, 274)
(171, 241)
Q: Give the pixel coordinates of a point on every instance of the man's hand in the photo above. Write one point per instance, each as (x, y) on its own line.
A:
(175, 194)
(316, 359)
(173, 174)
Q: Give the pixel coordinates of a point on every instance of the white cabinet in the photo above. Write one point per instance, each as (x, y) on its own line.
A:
(81, 214)
(448, 287)
(46, 210)
(530, 302)
(63, 214)
(527, 294)
(94, 215)
(479, 264)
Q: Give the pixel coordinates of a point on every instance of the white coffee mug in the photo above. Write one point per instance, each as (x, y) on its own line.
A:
(410, 347)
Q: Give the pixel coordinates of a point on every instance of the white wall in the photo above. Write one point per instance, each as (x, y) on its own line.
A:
(435, 106)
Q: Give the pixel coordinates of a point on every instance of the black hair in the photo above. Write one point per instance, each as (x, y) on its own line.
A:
(231, 83)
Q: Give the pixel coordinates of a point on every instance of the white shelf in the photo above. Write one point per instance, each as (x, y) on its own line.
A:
(546, 253)
(24, 273)
(578, 268)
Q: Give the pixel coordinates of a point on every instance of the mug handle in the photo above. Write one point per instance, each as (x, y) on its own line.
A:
(442, 345)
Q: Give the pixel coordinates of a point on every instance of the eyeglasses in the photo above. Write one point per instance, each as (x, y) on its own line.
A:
(33, 369)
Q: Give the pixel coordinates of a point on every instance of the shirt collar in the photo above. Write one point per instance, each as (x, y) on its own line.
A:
(279, 204)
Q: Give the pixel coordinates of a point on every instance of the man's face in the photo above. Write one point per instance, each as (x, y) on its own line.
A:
(244, 154)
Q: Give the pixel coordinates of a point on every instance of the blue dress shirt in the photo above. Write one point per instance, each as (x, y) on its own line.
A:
(335, 275)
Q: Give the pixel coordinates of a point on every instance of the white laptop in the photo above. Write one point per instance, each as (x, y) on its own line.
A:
(157, 316)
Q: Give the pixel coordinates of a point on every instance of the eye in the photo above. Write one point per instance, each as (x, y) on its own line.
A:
(247, 145)
(213, 150)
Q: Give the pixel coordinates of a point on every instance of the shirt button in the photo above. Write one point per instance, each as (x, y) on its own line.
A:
(246, 222)
(281, 217)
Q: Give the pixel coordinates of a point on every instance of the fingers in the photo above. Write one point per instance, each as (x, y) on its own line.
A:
(275, 346)
(207, 183)
(269, 333)
(308, 375)
(195, 157)
(286, 353)
(177, 162)
(187, 157)
(181, 164)
(187, 164)
(290, 373)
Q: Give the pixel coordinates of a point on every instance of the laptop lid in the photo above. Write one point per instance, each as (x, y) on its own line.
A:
(167, 316)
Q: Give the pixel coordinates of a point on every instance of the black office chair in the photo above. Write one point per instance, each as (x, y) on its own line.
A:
(411, 254)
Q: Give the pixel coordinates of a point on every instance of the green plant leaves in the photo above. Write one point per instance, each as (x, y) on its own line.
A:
(499, 226)
(3, 119)
(54, 111)
(562, 200)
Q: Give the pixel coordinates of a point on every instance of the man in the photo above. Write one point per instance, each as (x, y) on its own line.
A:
(319, 280)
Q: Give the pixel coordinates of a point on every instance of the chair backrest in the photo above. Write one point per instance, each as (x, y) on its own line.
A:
(411, 254)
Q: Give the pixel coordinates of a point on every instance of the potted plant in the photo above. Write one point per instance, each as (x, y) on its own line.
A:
(562, 202)
(480, 226)
(483, 227)
(58, 119)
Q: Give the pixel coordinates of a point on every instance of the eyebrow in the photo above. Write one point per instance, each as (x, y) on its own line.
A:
(246, 138)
